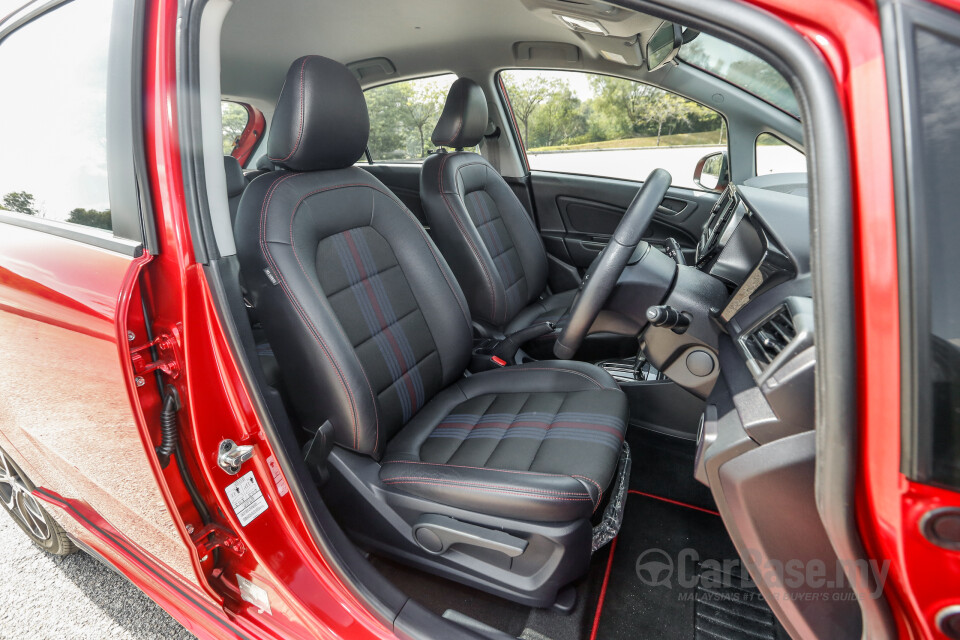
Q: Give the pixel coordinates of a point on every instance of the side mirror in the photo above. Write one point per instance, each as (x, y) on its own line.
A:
(711, 171)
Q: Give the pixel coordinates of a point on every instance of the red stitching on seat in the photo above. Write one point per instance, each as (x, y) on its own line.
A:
(463, 231)
(297, 307)
(500, 490)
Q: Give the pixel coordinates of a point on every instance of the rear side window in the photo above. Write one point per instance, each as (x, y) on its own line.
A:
(930, 76)
(776, 156)
(402, 117)
(54, 78)
(234, 118)
(592, 124)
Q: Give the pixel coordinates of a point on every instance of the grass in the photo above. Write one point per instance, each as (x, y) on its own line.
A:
(674, 140)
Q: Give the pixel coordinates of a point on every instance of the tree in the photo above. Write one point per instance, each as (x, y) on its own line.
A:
(21, 202)
(626, 107)
(234, 120)
(661, 107)
(91, 218)
(526, 97)
(558, 119)
(387, 131)
(422, 109)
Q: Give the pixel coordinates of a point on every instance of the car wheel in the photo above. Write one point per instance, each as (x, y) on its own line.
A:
(16, 497)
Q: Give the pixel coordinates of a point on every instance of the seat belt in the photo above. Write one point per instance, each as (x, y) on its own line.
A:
(491, 145)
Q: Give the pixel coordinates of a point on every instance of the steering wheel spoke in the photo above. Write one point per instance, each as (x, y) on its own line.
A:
(602, 276)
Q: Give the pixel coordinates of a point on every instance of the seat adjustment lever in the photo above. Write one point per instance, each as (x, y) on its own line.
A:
(437, 533)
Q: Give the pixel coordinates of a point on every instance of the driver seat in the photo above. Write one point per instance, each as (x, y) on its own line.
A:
(483, 231)
(373, 335)
(488, 238)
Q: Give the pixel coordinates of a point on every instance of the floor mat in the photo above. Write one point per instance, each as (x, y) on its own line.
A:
(663, 466)
(670, 565)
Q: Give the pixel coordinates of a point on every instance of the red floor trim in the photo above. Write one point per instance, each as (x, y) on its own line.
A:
(681, 504)
(603, 591)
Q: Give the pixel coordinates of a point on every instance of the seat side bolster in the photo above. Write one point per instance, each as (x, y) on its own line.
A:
(458, 239)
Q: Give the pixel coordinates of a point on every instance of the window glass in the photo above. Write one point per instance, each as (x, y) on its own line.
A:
(403, 115)
(234, 119)
(776, 156)
(53, 161)
(935, 112)
(740, 68)
(574, 122)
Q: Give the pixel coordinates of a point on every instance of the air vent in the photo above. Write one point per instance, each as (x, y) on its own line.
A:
(764, 342)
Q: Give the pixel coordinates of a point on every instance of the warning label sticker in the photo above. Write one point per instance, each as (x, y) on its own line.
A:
(246, 498)
(278, 479)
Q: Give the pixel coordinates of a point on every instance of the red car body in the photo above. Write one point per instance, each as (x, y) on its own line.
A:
(68, 327)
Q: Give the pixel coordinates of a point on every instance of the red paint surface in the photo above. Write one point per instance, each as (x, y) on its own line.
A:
(74, 312)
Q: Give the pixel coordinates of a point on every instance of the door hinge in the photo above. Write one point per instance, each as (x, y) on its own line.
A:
(214, 536)
(167, 356)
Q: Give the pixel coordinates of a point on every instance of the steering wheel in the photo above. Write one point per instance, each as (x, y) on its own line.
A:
(603, 274)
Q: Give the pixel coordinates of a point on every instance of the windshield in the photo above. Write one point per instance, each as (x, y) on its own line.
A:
(745, 70)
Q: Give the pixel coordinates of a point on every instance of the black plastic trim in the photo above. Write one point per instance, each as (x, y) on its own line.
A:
(191, 137)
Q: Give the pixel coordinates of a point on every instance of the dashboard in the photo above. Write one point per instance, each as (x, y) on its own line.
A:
(750, 251)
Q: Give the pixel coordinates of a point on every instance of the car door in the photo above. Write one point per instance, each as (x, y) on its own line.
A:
(916, 507)
(589, 144)
(71, 249)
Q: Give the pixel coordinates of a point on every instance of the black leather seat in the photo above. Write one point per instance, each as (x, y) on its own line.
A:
(373, 333)
(488, 238)
(236, 183)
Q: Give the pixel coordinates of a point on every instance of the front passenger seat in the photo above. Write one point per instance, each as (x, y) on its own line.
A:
(487, 236)
(373, 336)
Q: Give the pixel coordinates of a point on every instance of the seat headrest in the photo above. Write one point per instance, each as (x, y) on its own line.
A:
(464, 117)
(236, 181)
(321, 117)
(265, 164)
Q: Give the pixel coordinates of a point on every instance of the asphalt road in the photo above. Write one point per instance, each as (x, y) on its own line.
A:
(46, 597)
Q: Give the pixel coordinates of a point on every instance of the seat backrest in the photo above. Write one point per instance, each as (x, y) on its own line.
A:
(365, 317)
(488, 238)
(236, 183)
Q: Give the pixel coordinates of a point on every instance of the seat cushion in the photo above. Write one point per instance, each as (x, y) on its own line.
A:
(536, 442)
(550, 309)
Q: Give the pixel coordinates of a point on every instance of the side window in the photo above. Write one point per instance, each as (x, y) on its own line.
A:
(54, 72)
(574, 122)
(776, 156)
(930, 77)
(234, 118)
(402, 117)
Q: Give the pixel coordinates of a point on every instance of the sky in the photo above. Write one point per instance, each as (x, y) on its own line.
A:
(53, 107)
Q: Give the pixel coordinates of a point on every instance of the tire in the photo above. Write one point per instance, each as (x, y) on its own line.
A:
(27, 512)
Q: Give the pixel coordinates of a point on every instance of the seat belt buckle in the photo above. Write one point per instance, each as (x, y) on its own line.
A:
(316, 452)
(497, 360)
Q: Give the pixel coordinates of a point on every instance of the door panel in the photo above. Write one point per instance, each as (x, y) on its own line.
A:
(403, 179)
(578, 214)
(66, 411)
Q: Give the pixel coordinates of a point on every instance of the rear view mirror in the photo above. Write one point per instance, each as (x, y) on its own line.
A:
(711, 171)
(663, 45)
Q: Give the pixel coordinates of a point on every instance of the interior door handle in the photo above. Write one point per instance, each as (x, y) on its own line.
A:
(592, 245)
